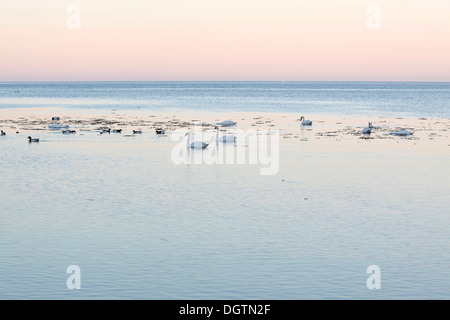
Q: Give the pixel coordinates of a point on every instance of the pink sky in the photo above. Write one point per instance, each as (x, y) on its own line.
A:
(225, 40)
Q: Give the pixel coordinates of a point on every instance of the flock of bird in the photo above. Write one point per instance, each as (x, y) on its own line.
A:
(366, 131)
(198, 144)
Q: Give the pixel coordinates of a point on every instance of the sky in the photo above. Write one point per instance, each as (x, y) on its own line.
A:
(215, 40)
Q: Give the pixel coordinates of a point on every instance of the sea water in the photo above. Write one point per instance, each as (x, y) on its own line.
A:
(341, 98)
(140, 226)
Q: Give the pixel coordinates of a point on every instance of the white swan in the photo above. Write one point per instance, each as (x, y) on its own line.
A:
(402, 133)
(226, 123)
(195, 144)
(32, 140)
(305, 122)
(368, 130)
(226, 138)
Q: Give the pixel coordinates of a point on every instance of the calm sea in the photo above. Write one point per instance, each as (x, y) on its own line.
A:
(140, 226)
(346, 98)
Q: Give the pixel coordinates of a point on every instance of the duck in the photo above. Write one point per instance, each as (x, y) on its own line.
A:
(57, 126)
(160, 131)
(305, 122)
(33, 140)
(2, 133)
(137, 131)
(68, 131)
(117, 131)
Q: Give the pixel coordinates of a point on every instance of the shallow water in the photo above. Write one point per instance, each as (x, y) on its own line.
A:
(141, 227)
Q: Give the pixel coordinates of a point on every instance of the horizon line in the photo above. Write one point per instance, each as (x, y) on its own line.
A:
(282, 81)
